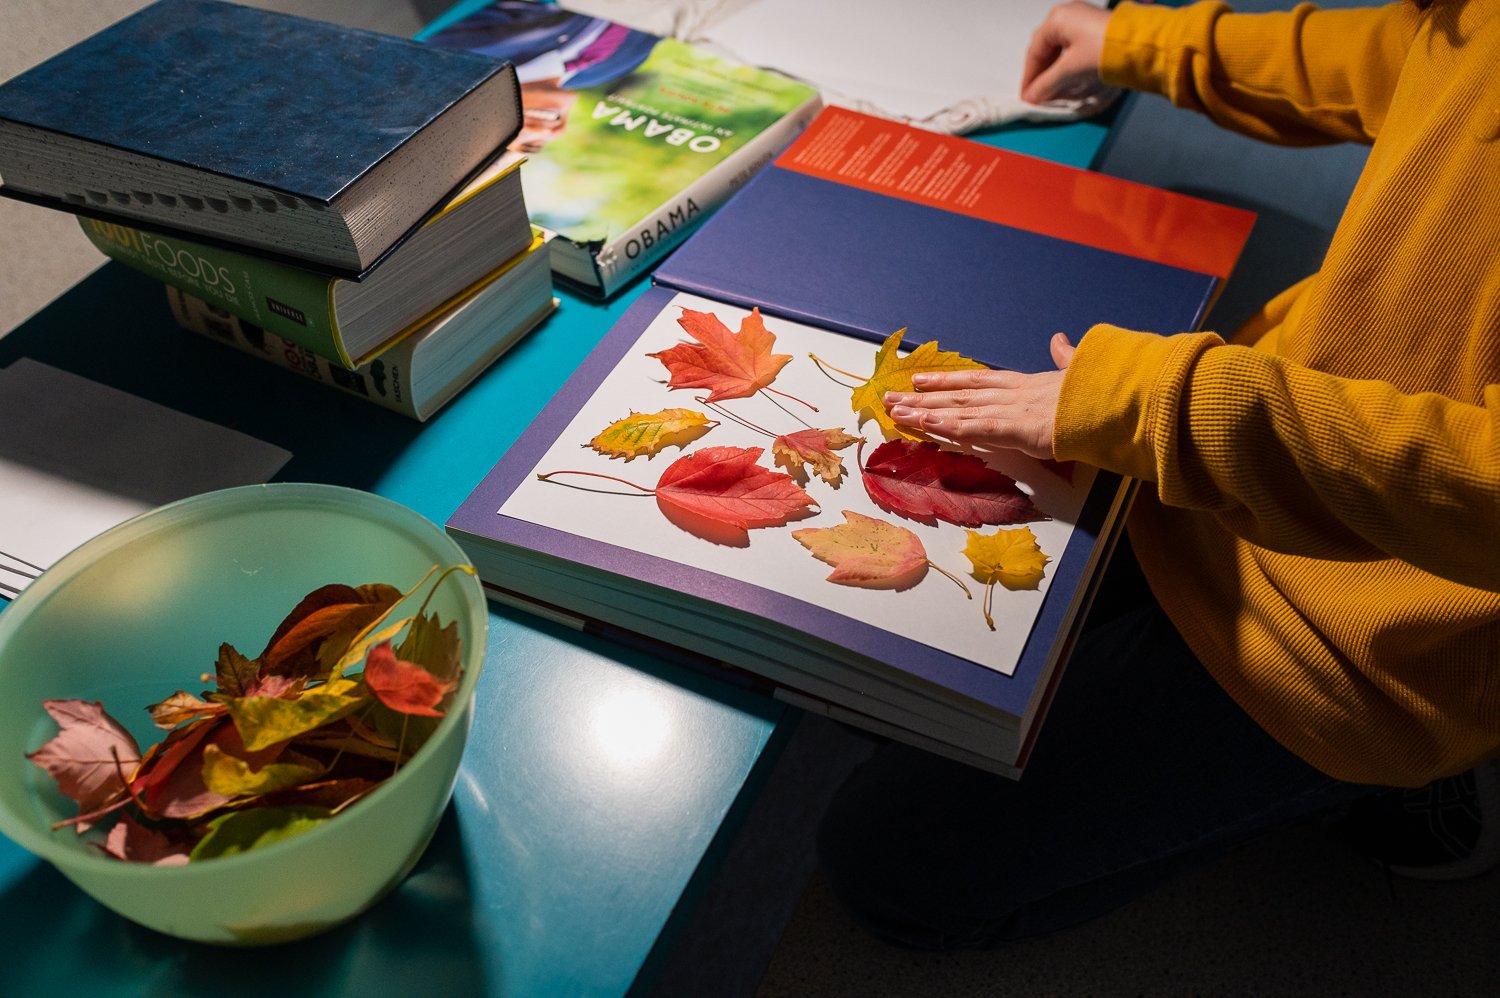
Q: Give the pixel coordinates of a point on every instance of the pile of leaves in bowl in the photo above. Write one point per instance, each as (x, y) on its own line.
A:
(283, 742)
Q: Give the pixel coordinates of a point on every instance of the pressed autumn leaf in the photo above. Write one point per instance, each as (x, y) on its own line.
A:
(133, 842)
(869, 553)
(264, 721)
(646, 433)
(730, 365)
(180, 707)
(233, 776)
(435, 648)
(1009, 557)
(403, 686)
(235, 674)
(241, 831)
(727, 485)
(87, 755)
(923, 482)
(169, 783)
(723, 486)
(380, 629)
(304, 745)
(814, 449)
(317, 632)
(893, 374)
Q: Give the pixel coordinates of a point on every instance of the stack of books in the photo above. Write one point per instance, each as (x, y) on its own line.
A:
(337, 201)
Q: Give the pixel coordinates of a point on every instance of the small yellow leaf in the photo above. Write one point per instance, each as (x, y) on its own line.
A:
(1010, 557)
(647, 433)
(893, 374)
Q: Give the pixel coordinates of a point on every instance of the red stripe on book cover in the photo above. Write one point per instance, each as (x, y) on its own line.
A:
(1080, 206)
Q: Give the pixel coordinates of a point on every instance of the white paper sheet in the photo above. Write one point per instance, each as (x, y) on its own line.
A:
(935, 612)
(78, 457)
(948, 65)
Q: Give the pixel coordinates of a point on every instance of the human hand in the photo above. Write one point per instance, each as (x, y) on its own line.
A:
(985, 408)
(1062, 61)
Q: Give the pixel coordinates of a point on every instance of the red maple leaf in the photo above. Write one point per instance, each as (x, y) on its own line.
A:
(923, 482)
(729, 365)
(726, 485)
(403, 686)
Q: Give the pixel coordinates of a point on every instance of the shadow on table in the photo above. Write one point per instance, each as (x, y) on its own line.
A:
(116, 328)
(420, 939)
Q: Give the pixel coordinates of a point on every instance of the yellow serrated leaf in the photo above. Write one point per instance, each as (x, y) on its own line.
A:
(1010, 557)
(893, 374)
(647, 433)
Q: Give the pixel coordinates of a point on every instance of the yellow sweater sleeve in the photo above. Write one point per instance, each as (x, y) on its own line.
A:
(1299, 77)
(1288, 458)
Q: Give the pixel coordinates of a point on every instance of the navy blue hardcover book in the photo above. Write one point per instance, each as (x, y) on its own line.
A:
(309, 141)
(863, 235)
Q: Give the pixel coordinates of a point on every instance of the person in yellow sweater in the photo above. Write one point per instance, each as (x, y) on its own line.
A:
(1319, 521)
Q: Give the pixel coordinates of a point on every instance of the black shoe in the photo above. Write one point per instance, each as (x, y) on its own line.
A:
(1447, 830)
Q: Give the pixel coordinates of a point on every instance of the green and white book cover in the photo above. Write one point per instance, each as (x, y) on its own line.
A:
(291, 302)
(630, 139)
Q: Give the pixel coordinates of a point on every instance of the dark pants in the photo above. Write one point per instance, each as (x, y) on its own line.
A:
(1144, 767)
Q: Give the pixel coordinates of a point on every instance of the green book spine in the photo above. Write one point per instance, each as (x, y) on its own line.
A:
(295, 304)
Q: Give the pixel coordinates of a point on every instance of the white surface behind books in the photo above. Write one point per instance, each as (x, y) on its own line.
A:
(78, 457)
(934, 612)
(948, 65)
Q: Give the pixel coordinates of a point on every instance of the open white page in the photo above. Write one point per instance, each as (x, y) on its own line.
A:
(934, 612)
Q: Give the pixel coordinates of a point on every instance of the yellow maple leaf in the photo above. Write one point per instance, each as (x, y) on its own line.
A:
(646, 433)
(893, 374)
(1010, 557)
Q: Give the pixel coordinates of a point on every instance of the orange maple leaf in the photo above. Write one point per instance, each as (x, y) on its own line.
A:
(730, 365)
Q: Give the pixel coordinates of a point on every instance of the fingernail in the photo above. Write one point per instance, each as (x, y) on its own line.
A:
(918, 380)
(902, 412)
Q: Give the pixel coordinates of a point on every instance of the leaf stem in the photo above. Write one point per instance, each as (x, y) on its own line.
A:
(467, 569)
(989, 603)
(825, 367)
(594, 474)
(956, 579)
(805, 424)
(721, 410)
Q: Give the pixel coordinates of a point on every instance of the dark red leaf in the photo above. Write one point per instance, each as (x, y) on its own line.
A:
(923, 482)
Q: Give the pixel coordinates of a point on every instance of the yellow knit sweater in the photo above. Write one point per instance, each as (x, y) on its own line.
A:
(1324, 527)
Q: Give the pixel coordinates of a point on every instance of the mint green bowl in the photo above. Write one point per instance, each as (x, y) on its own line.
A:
(140, 611)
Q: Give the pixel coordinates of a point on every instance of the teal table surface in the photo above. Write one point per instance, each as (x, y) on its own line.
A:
(599, 784)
